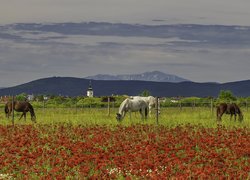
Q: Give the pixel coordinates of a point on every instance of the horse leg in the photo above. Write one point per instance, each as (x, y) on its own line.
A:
(146, 113)
(9, 113)
(135, 114)
(149, 110)
(142, 115)
(219, 116)
(22, 115)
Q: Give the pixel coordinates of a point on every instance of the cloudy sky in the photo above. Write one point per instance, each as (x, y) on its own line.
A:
(29, 53)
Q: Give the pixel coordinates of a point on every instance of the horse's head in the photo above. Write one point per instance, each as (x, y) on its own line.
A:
(118, 117)
(33, 118)
(240, 117)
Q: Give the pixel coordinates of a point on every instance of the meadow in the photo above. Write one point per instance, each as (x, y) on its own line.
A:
(169, 117)
(89, 143)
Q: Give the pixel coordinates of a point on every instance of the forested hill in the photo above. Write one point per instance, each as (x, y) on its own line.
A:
(68, 86)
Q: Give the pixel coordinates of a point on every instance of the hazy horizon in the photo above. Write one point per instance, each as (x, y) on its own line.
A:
(226, 12)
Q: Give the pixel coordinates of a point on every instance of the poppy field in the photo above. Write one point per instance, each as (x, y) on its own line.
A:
(138, 151)
(88, 143)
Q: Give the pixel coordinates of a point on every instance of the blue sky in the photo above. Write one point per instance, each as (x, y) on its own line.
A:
(34, 54)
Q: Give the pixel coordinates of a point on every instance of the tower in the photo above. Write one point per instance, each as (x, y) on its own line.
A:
(90, 92)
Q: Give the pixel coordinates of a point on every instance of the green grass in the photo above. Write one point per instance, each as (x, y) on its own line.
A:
(170, 117)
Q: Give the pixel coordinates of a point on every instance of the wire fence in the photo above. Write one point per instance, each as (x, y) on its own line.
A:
(109, 107)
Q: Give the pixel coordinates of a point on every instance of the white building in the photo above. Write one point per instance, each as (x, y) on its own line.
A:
(30, 97)
(90, 92)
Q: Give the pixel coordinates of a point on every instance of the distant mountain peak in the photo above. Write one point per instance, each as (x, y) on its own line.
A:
(155, 76)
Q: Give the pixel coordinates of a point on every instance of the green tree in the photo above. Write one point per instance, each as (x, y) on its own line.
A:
(226, 95)
(21, 97)
(145, 93)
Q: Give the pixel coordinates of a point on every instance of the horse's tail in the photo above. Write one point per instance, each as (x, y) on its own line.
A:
(32, 112)
(240, 113)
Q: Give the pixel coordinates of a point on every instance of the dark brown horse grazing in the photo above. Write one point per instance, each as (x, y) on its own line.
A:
(232, 109)
(20, 106)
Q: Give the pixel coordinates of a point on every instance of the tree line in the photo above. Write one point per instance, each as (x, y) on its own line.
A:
(115, 101)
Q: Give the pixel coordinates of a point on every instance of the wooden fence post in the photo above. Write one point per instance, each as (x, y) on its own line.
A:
(43, 107)
(12, 108)
(212, 106)
(180, 106)
(157, 110)
(108, 106)
(193, 104)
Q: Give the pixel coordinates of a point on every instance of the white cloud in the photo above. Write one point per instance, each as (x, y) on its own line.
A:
(32, 56)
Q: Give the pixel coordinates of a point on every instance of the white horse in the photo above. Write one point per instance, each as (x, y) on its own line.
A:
(150, 100)
(132, 105)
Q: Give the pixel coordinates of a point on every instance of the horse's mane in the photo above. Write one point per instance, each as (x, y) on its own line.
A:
(123, 104)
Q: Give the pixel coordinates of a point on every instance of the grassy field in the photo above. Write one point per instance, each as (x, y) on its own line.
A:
(170, 117)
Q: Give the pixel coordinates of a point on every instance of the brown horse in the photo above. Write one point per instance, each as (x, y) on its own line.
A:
(20, 106)
(232, 109)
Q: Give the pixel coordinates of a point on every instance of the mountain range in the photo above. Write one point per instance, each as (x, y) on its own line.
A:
(69, 86)
(155, 76)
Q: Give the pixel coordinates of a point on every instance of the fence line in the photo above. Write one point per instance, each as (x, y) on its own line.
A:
(110, 106)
